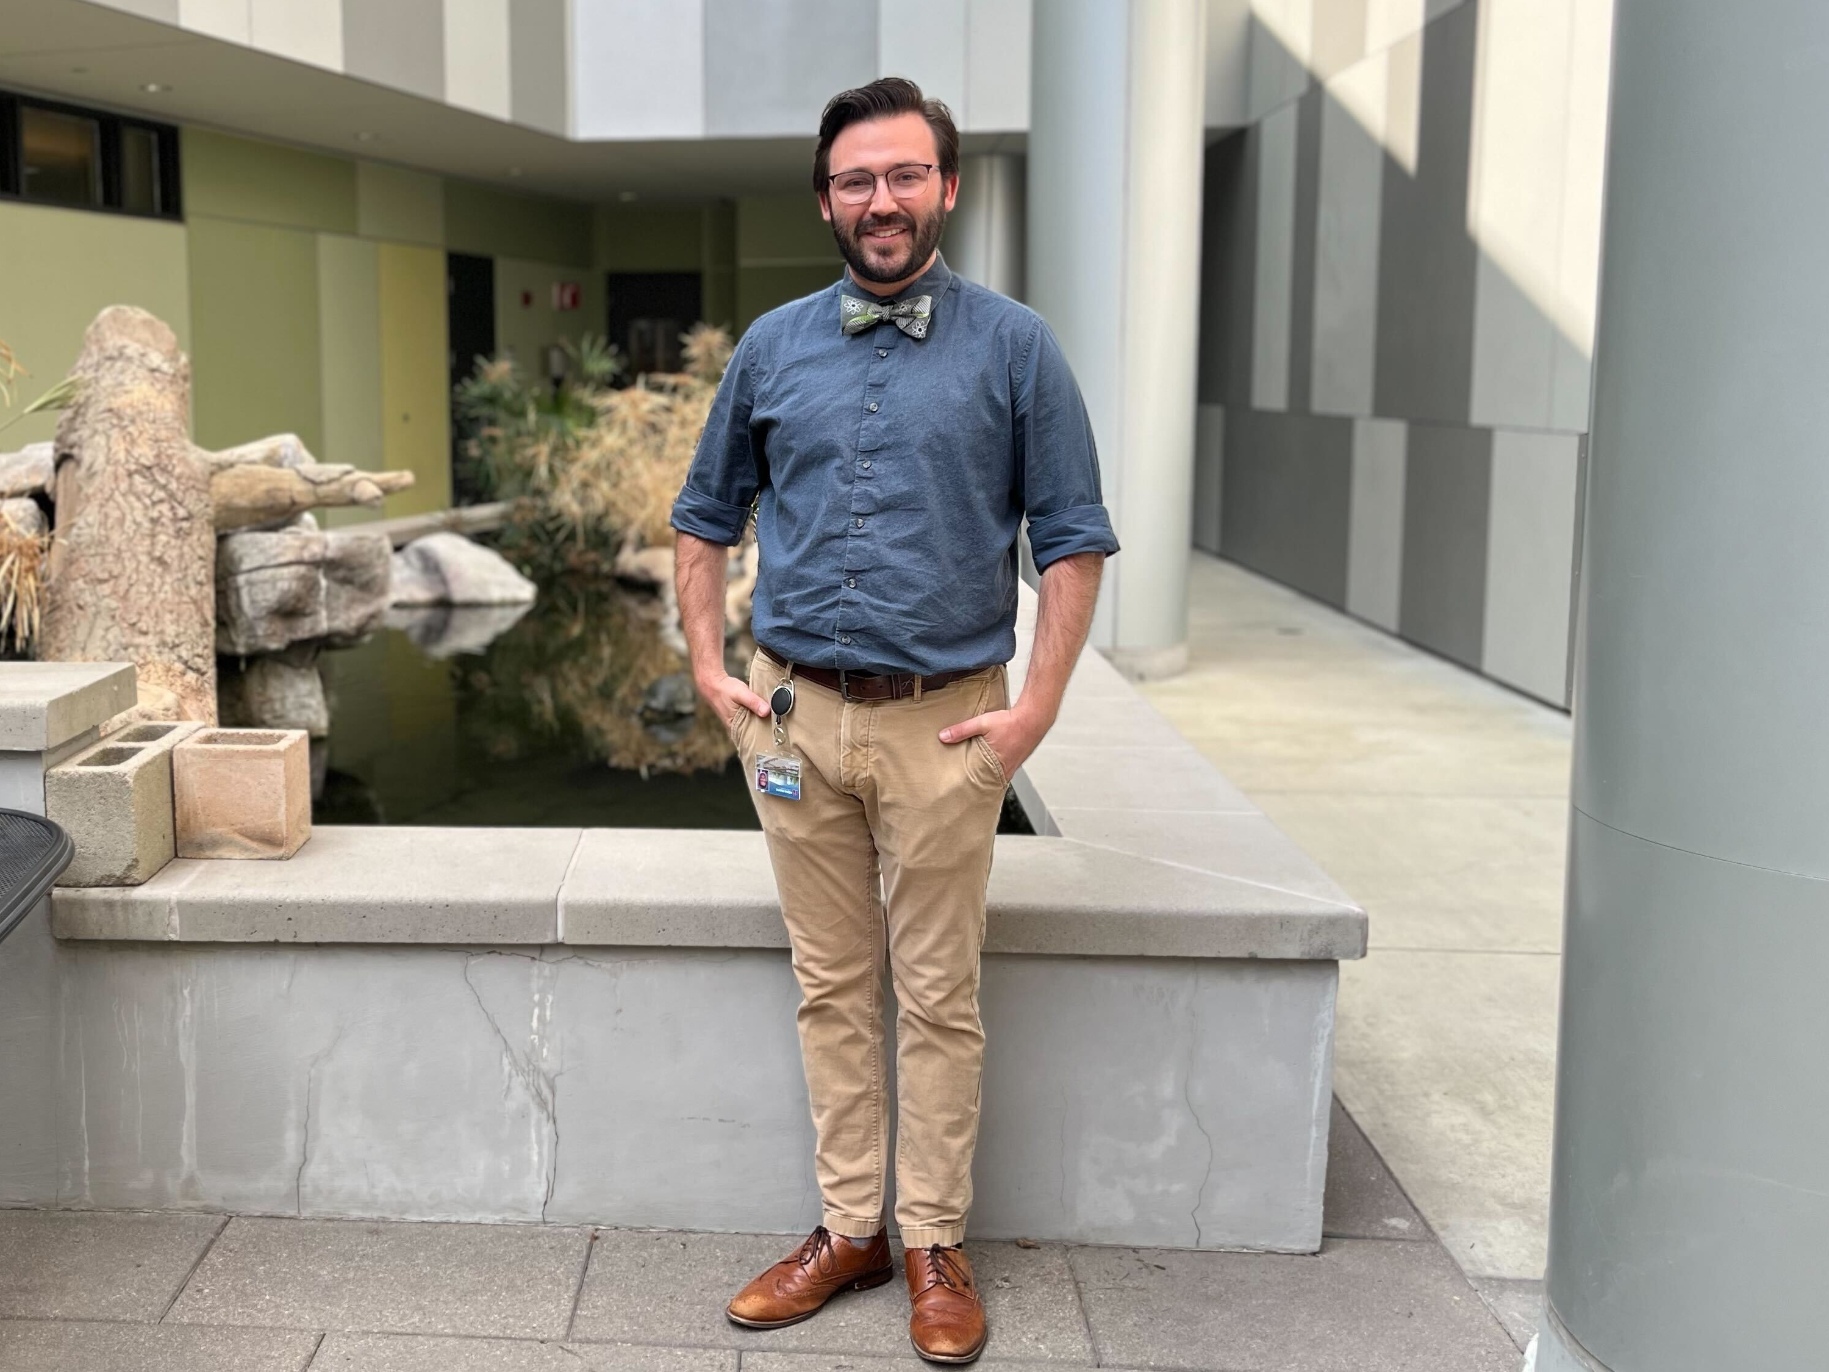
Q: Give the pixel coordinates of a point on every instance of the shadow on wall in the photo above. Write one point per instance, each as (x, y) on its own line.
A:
(1398, 281)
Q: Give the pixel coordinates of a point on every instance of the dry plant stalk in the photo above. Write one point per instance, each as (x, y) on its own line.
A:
(22, 560)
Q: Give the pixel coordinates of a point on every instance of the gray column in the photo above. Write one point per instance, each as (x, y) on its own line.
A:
(1690, 1203)
(984, 237)
(1115, 146)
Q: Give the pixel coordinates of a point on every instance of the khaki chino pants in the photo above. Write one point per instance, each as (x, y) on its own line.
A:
(885, 856)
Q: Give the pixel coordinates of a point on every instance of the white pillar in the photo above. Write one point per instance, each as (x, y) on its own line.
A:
(984, 237)
(1115, 147)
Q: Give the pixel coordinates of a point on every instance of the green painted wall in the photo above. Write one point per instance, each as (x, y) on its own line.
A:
(255, 341)
(59, 269)
(349, 348)
(674, 238)
(492, 223)
(399, 205)
(240, 178)
(526, 323)
(784, 251)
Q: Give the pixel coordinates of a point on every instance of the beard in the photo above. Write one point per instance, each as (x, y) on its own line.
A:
(870, 261)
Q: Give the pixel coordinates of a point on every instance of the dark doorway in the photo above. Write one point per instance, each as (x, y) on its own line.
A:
(470, 282)
(647, 313)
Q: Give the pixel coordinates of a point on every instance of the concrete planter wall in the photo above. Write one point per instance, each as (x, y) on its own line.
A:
(598, 1025)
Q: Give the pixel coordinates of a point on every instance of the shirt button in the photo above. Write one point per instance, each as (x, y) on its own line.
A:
(882, 352)
(851, 581)
(857, 523)
(871, 407)
(845, 639)
(866, 464)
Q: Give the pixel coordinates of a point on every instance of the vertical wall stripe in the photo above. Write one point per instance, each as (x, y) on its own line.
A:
(1302, 250)
(925, 43)
(415, 404)
(476, 56)
(1447, 499)
(1584, 164)
(400, 43)
(1386, 21)
(538, 94)
(1209, 475)
(638, 69)
(1374, 559)
(763, 76)
(1427, 260)
(1530, 559)
(1346, 240)
(1339, 36)
(1282, 36)
(303, 30)
(1285, 510)
(1228, 270)
(1276, 212)
(996, 81)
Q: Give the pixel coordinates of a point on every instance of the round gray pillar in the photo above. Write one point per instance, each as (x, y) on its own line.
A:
(1690, 1199)
(984, 237)
(1115, 145)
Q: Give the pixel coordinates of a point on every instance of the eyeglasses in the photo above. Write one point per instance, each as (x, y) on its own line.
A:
(859, 187)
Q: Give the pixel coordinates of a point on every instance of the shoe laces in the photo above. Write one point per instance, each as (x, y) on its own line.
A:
(818, 1244)
(946, 1267)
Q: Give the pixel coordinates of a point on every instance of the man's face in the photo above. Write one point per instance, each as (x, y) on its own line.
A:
(886, 239)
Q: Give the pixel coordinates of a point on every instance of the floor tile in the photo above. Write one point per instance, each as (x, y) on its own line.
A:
(1518, 1305)
(505, 1280)
(416, 1353)
(1447, 1061)
(1359, 1306)
(672, 1289)
(76, 1265)
(32, 1346)
(1363, 1199)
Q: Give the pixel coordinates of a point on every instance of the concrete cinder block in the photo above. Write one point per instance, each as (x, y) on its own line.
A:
(242, 793)
(115, 799)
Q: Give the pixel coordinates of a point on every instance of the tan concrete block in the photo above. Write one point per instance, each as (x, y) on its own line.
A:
(242, 793)
(115, 800)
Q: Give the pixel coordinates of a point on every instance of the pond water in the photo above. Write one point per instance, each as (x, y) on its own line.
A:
(577, 712)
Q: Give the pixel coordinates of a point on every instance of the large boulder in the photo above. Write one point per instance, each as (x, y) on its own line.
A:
(281, 691)
(287, 586)
(449, 569)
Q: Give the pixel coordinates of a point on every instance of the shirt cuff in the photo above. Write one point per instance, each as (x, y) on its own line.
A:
(1078, 529)
(708, 518)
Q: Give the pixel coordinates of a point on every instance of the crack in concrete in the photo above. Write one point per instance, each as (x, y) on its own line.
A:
(542, 1087)
(1187, 1097)
(304, 1153)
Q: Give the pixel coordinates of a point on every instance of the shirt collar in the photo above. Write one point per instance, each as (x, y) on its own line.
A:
(933, 281)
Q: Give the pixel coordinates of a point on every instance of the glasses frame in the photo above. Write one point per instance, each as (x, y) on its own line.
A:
(929, 167)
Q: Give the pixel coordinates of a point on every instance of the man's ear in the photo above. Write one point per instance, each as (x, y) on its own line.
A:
(825, 207)
(950, 191)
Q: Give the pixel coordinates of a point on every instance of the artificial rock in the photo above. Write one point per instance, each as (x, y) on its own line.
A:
(449, 569)
(286, 586)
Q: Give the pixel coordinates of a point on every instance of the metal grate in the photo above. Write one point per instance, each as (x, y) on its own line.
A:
(33, 853)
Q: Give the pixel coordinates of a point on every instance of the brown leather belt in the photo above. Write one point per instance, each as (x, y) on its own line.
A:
(870, 685)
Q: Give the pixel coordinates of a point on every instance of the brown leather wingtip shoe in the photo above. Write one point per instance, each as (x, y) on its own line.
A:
(947, 1324)
(795, 1288)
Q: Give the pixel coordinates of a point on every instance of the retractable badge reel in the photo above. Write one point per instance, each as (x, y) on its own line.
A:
(778, 773)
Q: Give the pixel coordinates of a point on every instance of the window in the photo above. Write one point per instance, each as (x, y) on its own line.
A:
(86, 159)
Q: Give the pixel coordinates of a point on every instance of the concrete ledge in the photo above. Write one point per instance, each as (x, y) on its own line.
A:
(46, 704)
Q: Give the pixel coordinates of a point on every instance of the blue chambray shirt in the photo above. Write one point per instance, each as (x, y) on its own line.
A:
(893, 476)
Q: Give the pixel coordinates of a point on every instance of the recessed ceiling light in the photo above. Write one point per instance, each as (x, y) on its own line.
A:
(154, 88)
(365, 136)
(625, 196)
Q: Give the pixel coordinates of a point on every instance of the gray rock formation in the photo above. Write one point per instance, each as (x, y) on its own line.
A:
(286, 586)
(26, 472)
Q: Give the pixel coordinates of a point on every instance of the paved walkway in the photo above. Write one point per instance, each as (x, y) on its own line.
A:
(1440, 800)
(110, 1292)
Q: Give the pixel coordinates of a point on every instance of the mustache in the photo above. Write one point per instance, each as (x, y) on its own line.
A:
(886, 221)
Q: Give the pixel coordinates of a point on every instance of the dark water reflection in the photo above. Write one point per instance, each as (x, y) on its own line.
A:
(578, 713)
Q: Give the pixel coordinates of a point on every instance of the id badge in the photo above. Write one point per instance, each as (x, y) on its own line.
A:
(778, 774)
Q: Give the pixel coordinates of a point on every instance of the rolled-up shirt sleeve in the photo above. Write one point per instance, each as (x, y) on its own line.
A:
(725, 474)
(1057, 462)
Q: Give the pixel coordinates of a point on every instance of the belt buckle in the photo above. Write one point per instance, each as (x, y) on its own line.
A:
(844, 685)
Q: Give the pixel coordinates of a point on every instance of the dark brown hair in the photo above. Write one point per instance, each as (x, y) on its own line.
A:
(891, 95)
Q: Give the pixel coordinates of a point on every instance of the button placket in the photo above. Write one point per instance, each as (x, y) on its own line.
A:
(862, 505)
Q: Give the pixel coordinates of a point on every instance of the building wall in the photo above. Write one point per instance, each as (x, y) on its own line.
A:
(1400, 261)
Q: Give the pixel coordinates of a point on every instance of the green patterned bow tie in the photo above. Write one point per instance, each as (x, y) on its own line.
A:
(910, 316)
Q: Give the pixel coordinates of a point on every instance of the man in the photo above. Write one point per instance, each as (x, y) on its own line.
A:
(892, 431)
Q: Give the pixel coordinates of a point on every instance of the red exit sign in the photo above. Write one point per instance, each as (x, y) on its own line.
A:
(567, 295)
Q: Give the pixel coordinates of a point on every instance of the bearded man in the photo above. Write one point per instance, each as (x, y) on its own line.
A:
(893, 432)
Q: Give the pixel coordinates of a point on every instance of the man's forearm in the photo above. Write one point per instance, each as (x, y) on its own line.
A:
(1069, 592)
(700, 571)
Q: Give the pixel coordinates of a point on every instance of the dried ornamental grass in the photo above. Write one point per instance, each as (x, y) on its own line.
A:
(22, 561)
